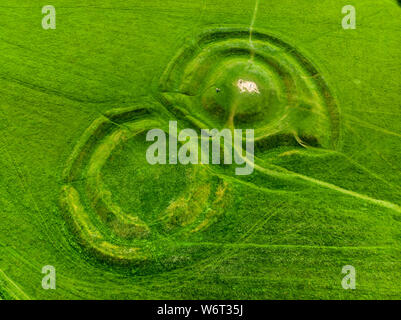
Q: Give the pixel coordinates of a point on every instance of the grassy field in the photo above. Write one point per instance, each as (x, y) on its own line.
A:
(77, 193)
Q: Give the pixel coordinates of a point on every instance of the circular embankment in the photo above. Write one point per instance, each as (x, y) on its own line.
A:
(286, 98)
(116, 235)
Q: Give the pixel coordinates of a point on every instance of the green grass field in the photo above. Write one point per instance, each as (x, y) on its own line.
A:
(76, 190)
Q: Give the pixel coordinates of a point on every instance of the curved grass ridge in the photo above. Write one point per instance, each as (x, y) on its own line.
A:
(302, 108)
(88, 156)
(105, 229)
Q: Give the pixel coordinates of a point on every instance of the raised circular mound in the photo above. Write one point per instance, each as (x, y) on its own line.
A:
(226, 78)
(230, 77)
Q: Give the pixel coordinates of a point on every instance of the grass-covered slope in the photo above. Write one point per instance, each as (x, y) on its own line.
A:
(76, 191)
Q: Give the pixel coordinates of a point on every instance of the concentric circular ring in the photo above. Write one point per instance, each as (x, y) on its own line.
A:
(108, 230)
(292, 98)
